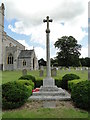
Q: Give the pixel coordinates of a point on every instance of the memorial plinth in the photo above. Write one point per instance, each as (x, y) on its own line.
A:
(49, 91)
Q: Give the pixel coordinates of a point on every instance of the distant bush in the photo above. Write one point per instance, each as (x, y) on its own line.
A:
(14, 94)
(81, 94)
(28, 77)
(67, 78)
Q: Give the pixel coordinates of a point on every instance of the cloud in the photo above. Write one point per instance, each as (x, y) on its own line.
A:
(19, 27)
(40, 52)
(58, 30)
(29, 15)
(84, 52)
(33, 11)
(23, 42)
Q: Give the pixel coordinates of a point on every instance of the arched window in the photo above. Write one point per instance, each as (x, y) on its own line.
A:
(24, 63)
(10, 59)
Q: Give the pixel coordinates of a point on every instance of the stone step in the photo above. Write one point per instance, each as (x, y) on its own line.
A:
(50, 98)
(50, 93)
(49, 88)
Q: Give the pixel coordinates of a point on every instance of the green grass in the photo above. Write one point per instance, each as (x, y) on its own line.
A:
(14, 75)
(46, 113)
(64, 112)
(0, 77)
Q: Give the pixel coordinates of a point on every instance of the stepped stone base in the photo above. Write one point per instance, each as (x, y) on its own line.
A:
(51, 95)
(50, 92)
(48, 88)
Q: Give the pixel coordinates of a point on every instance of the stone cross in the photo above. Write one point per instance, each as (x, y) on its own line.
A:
(48, 46)
(49, 92)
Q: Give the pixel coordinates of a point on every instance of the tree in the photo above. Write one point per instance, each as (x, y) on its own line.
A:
(83, 62)
(42, 62)
(68, 51)
(54, 62)
(87, 61)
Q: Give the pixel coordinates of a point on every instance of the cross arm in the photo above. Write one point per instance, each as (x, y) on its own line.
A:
(50, 20)
(44, 20)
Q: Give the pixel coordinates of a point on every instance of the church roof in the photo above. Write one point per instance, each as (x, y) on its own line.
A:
(14, 41)
(25, 54)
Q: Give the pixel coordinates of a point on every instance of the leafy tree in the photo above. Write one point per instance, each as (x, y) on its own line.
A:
(68, 51)
(54, 62)
(42, 62)
(85, 61)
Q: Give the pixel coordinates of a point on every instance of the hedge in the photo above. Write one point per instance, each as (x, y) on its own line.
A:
(58, 82)
(14, 94)
(39, 82)
(80, 94)
(67, 78)
(72, 83)
(26, 83)
(28, 77)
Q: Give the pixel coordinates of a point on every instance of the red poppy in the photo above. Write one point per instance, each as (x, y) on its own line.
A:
(35, 90)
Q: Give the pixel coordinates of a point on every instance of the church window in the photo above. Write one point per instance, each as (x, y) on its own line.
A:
(10, 59)
(24, 63)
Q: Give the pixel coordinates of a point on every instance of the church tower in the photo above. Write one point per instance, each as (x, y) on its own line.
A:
(1, 33)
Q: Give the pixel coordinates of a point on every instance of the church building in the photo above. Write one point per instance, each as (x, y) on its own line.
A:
(13, 55)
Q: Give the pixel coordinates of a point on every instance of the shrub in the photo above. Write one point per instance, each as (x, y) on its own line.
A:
(67, 78)
(28, 77)
(26, 83)
(39, 83)
(14, 94)
(80, 94)
(73, 82)
(58, 82)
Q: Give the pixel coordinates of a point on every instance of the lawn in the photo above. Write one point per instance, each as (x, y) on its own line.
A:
(62, 111)
(35, 110)
(46, 113)
(14, 75)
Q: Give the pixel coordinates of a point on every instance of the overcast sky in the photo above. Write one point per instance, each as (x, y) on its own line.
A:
(24, 22)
